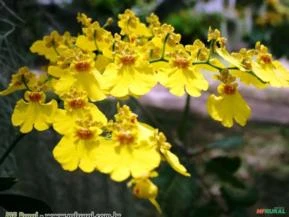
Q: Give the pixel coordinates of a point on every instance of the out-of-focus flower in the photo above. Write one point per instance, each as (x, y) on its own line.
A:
(18, 80)
(144, 188)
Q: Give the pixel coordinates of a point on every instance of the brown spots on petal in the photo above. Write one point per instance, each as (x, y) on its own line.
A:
(82, 66)
(229, 89)
(128, 60)
(181, 63)
(84, 134)
(77, 103)
(35, 96)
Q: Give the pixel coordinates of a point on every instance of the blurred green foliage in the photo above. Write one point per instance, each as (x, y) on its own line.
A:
(193, 24)
(270, 24)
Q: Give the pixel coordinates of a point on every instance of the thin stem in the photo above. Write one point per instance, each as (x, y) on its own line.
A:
(94, 39)
(164, 45)
(55, 49)
(24, 82)
(11, 147)
(150, 116)
(208, 63)
(11, 11)
(183, 124)
(159, 60)
(10, 30)
(162, 58)
(212, 43)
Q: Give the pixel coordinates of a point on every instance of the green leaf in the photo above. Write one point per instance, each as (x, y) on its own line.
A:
(176, 192)
(224, 168)
(210, 209)
(236, 197)
(223, 164)
(7, 182)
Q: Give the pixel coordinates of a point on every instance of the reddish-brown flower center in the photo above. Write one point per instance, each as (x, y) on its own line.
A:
(136, 191)
(127, 60)
(35, 96)
(266, 58)
(84, 134)
(82, 66)
(125, 138)
(229, 89)
(181, 63)
(77, 103)
(17, 83)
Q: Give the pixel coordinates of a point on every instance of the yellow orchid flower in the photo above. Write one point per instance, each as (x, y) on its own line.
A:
(130, 25)
(130, 151)
(229, 106)
(269, 70)
(182, 75)
(171, 158)
(18, 81)
(130, 73)
(33, 112)
(144, 188)
(81, 74)
(75, 147)
(76, 106)
(94, 38)
(50, 44)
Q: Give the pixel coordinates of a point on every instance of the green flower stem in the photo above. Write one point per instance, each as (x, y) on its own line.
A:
(11, 147)
(182, 129)
(208, 63)
(158, 60)
(162, 58)
(212, 44)
(55, 49)
(24, 82)
(164, 45)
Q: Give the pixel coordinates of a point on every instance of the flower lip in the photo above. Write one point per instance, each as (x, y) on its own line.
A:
(77, 103)
(229, 89)
(128, 59)
(84, 133)
(35, 96)
(125, 137)
(82, 66)
(266, 58)
(181, 62)
(136, 191)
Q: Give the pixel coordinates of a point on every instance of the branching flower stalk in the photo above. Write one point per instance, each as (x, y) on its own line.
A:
(97, 64)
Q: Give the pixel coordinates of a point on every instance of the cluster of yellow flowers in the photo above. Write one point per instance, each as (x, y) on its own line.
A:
(95, 64)
(273, 13)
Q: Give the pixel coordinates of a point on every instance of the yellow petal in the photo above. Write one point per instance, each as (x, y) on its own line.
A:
(65, 152)
(174, 162)
(40, 48)
(85, 44)
(89, 83)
